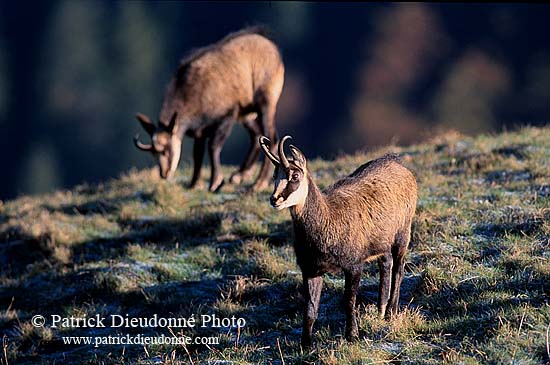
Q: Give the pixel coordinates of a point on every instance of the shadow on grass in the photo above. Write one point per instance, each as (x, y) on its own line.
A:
(187, 232)
(517, 223)
(95, 291)
(82, 290)
(66, 290)
(19, 248)
(472, 308)
(280, 234)
(100, 205)
(24, 249)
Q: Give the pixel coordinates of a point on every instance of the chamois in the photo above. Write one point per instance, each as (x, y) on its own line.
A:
(239, 78)
(362, 217)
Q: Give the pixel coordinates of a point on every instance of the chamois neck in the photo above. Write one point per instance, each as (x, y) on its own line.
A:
(314, 207)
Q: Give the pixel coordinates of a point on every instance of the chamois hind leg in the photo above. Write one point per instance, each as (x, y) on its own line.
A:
(245, 170)
(385, 264)
(267, 101)
(353, 278)
(312, 294)
(399, 251)
(268, 129)
(215, 145)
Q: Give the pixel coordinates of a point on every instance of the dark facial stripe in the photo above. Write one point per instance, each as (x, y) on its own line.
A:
(290, 187)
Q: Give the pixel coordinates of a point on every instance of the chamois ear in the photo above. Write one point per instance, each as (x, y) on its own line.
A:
(299, 158)
(146, 123)
(172, 122)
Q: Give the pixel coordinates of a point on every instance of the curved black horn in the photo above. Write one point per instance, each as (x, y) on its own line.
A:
(141, 146)
(264, 143)
(282, 156)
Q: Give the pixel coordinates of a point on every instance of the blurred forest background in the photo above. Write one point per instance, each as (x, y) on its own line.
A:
(74, 73)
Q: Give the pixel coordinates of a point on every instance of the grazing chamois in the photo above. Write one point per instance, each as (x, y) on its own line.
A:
(239, 78)
(362, 217)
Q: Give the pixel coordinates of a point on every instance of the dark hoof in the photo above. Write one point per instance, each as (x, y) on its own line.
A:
(236, 178)
(306, 342)
(352, 337)
(195, 185)
(217, 187)
(352, 334)
(240, 177)
(390, 314)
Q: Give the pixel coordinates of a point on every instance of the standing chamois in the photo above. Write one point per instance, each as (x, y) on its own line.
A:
(362, 217)
(239, 78)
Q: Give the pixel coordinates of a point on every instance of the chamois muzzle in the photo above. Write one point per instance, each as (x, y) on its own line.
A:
(273, 200)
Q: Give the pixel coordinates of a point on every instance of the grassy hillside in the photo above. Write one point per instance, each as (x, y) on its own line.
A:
(476, 288)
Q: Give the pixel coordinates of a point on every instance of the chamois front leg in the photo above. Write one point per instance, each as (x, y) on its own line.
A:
(198, 155)
(353, 278)
(385, 263)
(312, 293)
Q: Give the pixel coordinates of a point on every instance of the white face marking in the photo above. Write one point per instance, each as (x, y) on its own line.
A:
(296, 198)
(280, 186)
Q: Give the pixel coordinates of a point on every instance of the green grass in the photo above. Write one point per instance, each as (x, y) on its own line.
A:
(476, 289)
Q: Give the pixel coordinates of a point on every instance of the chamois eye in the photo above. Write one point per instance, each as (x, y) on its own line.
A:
(295, 176)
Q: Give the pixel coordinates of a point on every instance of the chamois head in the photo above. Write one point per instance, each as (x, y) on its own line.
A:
(166, 144)
(290, 176)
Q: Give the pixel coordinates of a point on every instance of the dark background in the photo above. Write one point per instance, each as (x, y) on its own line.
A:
(74, 73)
